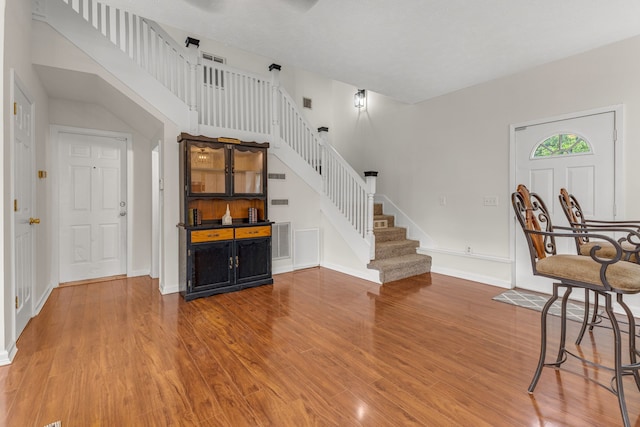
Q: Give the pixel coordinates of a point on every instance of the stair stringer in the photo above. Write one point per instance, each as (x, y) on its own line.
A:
(72, 26)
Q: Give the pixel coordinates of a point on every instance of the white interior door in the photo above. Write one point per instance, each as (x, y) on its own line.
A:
(589, 176)
(23, 206)
(92, 206)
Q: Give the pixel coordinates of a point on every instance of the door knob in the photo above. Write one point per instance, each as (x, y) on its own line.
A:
(34, 221)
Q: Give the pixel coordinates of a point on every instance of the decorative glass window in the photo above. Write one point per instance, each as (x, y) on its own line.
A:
(562, 144)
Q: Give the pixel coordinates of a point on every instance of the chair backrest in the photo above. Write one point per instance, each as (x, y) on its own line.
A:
(531, 212)
(573, 212)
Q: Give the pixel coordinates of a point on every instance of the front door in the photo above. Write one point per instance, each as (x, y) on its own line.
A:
(577, 154)
(92, 206)
(23, 207)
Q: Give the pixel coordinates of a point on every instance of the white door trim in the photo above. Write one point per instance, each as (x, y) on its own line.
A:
(619, 183)
(53, 165)
(17, 83)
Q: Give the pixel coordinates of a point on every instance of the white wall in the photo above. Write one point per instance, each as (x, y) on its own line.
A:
(457, 146)
(303, 211)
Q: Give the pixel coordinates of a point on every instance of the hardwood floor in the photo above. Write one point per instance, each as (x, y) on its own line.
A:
(315, 348)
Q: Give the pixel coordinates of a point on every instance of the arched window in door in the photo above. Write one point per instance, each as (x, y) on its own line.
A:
(561, 144)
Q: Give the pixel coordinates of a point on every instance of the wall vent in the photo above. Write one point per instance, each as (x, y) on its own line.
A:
(281, 240)
(213, 58)
(306, 102)
(277, 176)
(279, 202)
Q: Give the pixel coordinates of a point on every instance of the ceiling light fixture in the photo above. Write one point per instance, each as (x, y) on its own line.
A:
(191, 40)
(360, 99)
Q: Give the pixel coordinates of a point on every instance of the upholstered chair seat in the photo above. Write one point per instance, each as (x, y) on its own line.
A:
(623, 276)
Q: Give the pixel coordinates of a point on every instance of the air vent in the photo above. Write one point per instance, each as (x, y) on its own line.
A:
(277, 176)
(213, 58)
(281, 240)
(306, 103)
(279, 202)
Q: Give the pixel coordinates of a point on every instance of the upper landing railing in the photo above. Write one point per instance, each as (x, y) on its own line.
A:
(229, 99)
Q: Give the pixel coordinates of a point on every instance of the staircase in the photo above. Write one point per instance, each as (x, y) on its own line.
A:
(204, 97)
(395, 255)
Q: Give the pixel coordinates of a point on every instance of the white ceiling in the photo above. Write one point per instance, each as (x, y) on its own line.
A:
(410, 50)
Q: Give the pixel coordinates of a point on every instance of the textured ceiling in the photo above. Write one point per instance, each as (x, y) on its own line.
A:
(410, 50)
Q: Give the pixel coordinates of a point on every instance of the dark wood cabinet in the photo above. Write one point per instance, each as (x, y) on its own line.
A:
(219, 174)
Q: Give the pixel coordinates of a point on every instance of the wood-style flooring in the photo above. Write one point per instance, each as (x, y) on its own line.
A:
(316, 348)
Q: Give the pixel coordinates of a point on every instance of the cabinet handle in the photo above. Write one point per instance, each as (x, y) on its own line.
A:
(230, 263)
(237, 261)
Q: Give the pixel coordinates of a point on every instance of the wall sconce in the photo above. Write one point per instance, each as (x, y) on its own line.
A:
(191, 40)
(360, 99)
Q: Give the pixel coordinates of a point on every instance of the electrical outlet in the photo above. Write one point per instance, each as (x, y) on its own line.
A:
(468, 250)
(490, 201)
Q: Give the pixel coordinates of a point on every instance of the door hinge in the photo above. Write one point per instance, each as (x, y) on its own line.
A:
(15, 108)
(188, 252)
(17, 306)
(615, 135)
(15, 205)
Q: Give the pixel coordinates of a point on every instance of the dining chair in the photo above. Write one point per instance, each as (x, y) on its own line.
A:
(630, 246)
(608, 277)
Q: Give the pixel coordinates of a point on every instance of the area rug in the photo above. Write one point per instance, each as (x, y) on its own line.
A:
(575, 310)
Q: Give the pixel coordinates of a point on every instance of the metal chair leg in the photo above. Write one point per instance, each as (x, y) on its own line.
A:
(563, 324)
(618, 368)
(594, 316)
(585, 319)
(633, 353)
(543, 337)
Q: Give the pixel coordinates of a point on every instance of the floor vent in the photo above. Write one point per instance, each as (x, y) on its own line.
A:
(279, 202)
(281, 240)
(277, 176)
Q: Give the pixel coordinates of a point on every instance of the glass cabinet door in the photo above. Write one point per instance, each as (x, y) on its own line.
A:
(208, 172)
(248, 171)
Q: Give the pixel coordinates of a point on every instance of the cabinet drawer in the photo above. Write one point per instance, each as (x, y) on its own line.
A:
(211, 235)
(250, 232)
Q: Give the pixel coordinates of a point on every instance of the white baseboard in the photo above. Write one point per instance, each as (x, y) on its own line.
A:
(282, 269)
(370, 275)
(138, 273)
(486, 280)
(169, 289)
(6, 357)
(43, 300)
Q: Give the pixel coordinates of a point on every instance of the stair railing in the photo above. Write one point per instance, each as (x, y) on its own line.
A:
(145, 42)
(227, 98)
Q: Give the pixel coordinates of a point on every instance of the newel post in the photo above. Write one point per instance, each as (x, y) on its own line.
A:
(193, 61)
(322, 166)
(275, 103)
(370, 178)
